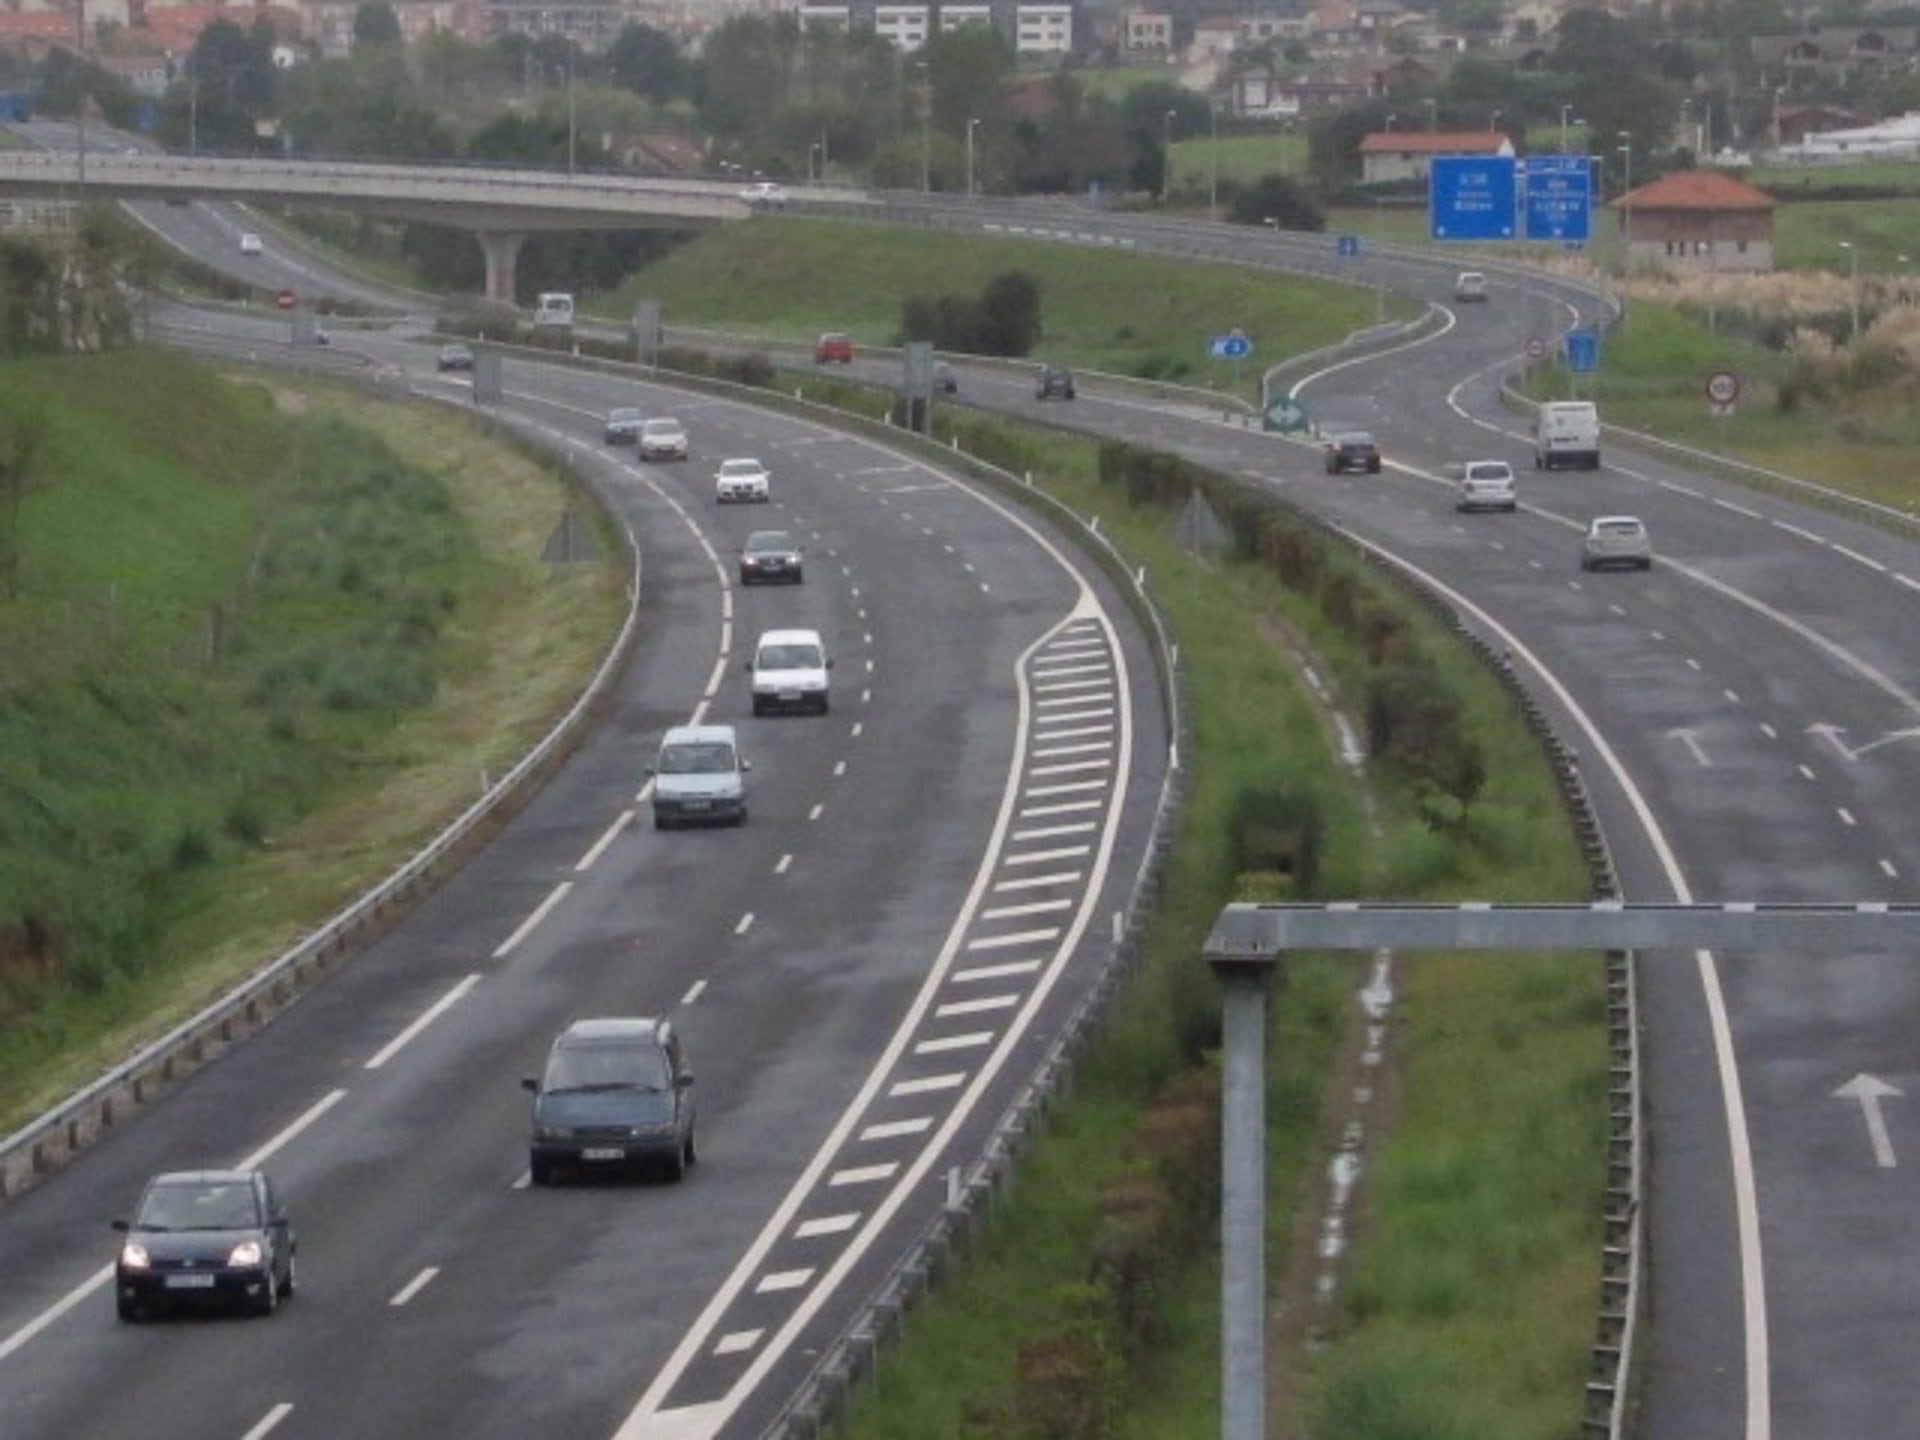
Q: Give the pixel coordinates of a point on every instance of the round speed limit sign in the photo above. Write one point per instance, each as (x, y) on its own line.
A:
(1723, 387)
(1536, 348)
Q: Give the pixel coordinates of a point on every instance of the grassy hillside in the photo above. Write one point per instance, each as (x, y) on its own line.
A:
(1130, 314)
(237, 623)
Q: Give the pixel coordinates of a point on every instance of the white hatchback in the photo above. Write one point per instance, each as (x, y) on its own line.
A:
(1486, 485)
(1616, 540)
(250, 244)
(663, 439)
(742, 480)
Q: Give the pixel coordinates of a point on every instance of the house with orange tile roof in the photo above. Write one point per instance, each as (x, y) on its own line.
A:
(1389, 155)
(1697, 220)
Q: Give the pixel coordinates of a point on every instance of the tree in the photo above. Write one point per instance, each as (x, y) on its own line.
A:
(375, 23)
(649, 63)
(1010, 314)
(1277, 197)
(23, 442)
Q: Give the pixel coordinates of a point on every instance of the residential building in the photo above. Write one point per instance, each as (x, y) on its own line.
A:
(1697, 220)
(1836, 54)
(1149, 30)
(1031, 28)
(1895, 139)
(1387, 156)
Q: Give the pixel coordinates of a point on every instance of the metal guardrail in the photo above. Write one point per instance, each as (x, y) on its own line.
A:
(47, 1141)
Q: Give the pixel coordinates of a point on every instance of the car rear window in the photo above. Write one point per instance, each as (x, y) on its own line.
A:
(710, 757)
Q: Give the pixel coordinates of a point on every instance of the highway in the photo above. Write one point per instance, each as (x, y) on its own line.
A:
(865, 974)
(1746, 714)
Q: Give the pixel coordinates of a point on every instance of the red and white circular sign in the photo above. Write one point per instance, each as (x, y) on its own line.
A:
(285, 299)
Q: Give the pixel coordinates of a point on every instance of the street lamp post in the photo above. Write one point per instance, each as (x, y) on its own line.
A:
(813, 150)
(1493, 120)
(1853, 286)
(1391, 117)
(971, 123)
(1565, 112)
(572, 124)
(1433, 113)
(1626, 189)
(1213, 159)
(80, 94)
(1166, 154)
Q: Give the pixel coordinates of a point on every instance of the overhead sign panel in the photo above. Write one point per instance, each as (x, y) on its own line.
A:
(1472, 197)
(1559, 198)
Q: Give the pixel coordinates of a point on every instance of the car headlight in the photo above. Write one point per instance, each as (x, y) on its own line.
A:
(133, 1255)
(246, 1254)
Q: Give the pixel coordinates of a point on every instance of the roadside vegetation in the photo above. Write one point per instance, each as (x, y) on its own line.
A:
(1088, 1308)
(256, 652)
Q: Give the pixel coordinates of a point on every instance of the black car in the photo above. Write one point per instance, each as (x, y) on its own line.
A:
(771, 555)
(454, 357)
(205, 1238)
(1352, 450)
(616, 1094)
(1055, 383)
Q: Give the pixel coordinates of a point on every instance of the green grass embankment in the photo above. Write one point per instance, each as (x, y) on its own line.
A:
(790, 278)
(259, 652)
(1493, 1165)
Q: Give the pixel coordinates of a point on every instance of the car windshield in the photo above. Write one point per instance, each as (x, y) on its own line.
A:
(739, 467)
(663, 427)
(624, 417)
(200, 1205)
(705, 757)
(608, 1067)
(1619, 529)
(762, 541)
(1355, 441)
(789, 657)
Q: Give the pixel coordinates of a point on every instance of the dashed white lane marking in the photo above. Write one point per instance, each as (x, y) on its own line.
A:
(1739, 509)
(828, 1224)
(948, 1043)
(644, 793)
(982, 1006)
(414, 1286)
(600, 845)
(1615, 609)
(528, 925)
(815, 813)
(786, 863)
(1657, 634)
(864, 1174)
(1682, 489)
(1858, 558)
(736, 1341)
(894, 1129)
(1034, 907)
(926, 1085)
(1692, 664)
(1796, 530)
(1886, 868)
(783, 1280)
(726, 636)
(694, 992)
(432, 1013)
(866, 697)
(1768, 731)
(976, 973)
(1733, 696)
(839, 768)
(699, 716)
(746, 924)
(719, 674)
(1846, 816)
(292, 1132)
(869, 667)
(1806, 772)
(1907, 580)
(269, 1421)
(854, 734)
(1014, 941)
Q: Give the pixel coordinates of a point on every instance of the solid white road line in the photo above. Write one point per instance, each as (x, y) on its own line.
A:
(527, 926)
(433, 1012)
(414, 1286)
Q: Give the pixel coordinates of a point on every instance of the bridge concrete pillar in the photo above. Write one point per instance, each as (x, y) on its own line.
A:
(502, 249)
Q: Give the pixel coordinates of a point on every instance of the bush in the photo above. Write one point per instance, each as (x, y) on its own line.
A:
(1003, 320)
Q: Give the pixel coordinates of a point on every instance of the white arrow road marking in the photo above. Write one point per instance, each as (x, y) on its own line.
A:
(1690, 739)
(1870, 1090)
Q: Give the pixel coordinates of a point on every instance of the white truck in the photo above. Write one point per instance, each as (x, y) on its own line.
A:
(554, 312)
(1567, 432)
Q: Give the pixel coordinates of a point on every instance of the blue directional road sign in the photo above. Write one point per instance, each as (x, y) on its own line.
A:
(1348, 246)
(1559, 197)
(1229, 347)
(1583, 351)
(1471, 197)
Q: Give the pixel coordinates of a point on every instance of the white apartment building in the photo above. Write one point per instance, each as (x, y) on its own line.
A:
(1033, 29)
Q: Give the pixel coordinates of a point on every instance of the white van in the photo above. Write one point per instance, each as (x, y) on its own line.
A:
(1567, 432)
(554, 312)
(699, 777)
(789, 670)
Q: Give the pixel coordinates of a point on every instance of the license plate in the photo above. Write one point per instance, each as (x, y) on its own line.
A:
(697, 805)
(789, 696)
(601, 1153)
(189, 1282)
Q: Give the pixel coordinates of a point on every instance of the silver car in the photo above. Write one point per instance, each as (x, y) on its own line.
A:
(742, 480)
(1486, 485)
(663, 439)
(1616, 540)
(700, 777)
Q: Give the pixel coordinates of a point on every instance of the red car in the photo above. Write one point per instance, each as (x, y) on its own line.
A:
(833, 346)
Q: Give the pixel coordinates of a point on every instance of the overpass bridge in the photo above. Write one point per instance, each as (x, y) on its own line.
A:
(499, 206)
